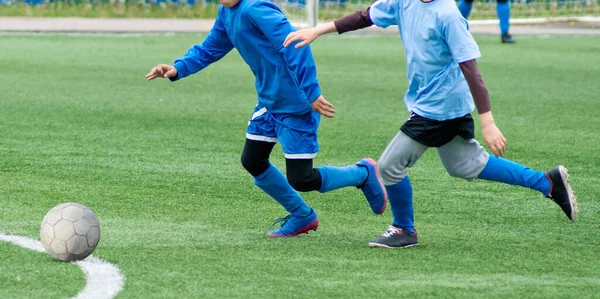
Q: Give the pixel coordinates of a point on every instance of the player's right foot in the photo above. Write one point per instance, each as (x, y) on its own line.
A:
(373, 188)
(561, 191)
(395, 237)
(507, 38)
(292, 226)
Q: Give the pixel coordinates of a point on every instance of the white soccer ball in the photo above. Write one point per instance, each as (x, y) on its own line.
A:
(70, 232)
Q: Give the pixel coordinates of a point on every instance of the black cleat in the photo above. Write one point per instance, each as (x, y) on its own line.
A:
(561, 192)
(395, 238)
(507, 38)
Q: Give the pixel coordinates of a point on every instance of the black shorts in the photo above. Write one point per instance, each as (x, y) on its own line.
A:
(435, 133)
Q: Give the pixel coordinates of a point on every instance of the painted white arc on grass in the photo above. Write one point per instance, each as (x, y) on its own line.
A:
(103, 280)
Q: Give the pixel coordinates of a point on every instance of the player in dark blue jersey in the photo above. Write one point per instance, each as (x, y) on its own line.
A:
(503, 11)
(289, 107)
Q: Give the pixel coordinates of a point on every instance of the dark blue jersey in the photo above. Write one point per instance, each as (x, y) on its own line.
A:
(286, 78)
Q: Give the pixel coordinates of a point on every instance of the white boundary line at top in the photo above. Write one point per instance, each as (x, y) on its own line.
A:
(63, 25)
(532, 21)
(103, 280)
(522, 21)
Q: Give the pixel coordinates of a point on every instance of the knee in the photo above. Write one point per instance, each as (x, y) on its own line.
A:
(465, 170)
(456, 171)
(390, 172)
(254, 166)
(298, 183)
(304, 182)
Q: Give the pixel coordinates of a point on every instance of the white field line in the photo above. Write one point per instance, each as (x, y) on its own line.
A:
(103, 280)
(520, 21)
(532, 21)
(29, 24)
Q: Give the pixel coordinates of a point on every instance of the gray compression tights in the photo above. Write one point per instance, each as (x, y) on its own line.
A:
(461, 158)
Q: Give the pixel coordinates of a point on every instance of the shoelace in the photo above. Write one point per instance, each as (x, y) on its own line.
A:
(282, 221)
(392, 230)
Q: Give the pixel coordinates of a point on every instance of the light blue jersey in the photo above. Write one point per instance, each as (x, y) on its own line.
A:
(436, 38)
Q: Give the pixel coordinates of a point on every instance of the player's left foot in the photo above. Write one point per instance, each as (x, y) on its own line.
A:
(562, 193)
(292, 226)
(395, 237)
(507, 38)
(373, 188)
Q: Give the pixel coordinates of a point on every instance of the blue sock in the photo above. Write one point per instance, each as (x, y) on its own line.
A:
(505, 171)
(274, 183)
(400, 197)
(503, 11)
(333, 178)
(465, 8)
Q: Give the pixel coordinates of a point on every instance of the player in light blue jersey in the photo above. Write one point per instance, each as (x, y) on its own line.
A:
(289, 103)
(443, 83)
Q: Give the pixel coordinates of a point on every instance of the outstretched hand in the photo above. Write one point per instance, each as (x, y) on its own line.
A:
(306, 36)
(322, 106)
(162, 71)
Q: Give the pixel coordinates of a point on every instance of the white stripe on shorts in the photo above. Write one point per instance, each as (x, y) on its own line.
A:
(261, 138)
(258, 113)
(300, 156)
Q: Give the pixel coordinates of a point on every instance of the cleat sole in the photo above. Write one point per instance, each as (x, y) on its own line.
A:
(311, 226)
(564, 174)
(377, 245)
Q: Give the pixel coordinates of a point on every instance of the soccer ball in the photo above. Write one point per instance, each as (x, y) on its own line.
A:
(70, 232)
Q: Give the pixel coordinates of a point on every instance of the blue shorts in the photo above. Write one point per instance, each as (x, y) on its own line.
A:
(296, 133)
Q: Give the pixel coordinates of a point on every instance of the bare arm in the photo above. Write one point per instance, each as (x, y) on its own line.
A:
(351, 22)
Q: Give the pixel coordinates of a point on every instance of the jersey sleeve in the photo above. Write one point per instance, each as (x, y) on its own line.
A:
(268, 19)
(459, 40)
(383, 13)
(354, 21)
(216, 45)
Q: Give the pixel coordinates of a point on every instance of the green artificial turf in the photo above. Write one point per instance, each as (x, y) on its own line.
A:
(158, 162)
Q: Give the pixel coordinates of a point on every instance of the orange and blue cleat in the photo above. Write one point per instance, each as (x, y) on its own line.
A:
(292, 226)
(373, 188)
